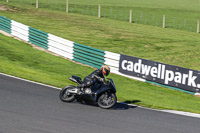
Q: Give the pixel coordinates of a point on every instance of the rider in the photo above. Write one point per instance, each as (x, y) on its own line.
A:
(97, 75)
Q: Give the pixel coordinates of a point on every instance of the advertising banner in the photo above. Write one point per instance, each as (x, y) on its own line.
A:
(179, 77)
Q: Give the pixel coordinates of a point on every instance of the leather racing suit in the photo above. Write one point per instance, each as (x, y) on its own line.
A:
(96, 76)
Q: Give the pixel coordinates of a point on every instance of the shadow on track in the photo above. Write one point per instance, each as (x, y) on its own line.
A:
(123, 106)
(118, 106)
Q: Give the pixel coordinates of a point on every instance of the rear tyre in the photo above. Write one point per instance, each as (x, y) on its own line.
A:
(107, 100)
(66, 96)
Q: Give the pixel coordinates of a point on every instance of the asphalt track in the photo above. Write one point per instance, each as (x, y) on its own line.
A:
(30, 108)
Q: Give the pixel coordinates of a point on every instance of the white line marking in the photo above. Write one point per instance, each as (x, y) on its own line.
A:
(166, 111)
(182, 113)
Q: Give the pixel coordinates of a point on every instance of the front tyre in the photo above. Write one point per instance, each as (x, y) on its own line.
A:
(66, 96)
(107, 100)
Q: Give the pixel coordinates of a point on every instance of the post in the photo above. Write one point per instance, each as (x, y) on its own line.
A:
(6, 0)
(36, 3)
(163, 21)
(67, 4)
(99, 11)
(130, 17)
(197, 26)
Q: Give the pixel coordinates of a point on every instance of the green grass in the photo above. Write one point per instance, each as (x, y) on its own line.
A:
(169, 46)
(164, 45)
(20, 59)
(180, 14)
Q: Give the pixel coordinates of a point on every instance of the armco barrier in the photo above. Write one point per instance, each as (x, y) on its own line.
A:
(60, 46)
(38, 37)
(20, 30)
(5, 24)
(88, 55)
(119, 64)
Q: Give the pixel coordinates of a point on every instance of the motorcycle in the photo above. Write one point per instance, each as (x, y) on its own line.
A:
(102, 94)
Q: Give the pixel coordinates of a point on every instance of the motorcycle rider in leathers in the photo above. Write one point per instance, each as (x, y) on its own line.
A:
(96, 76)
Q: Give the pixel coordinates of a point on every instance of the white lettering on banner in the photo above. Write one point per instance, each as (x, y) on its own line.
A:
(169, 76)
(198, 85)
(154, 71)
(130, 66)
(178, 77)
(123, 64)
(185, 76)
(137, 66)
(191, 79)
(161, 72)
(145, 69)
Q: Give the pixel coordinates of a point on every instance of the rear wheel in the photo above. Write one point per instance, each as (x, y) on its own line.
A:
(107, 100)
(66, 96)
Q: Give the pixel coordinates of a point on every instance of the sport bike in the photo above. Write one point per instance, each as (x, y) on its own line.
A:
(102, 94)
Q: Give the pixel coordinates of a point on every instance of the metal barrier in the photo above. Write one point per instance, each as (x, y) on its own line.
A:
(63, 47)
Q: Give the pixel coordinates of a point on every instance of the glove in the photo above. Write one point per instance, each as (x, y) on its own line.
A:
(107, 82)
(102, 80)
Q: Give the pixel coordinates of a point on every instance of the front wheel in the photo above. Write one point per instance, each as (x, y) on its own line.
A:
(66, 96)
(107, 100)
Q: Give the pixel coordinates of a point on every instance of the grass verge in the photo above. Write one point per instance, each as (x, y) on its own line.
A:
(20, 59)
(168, 46)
